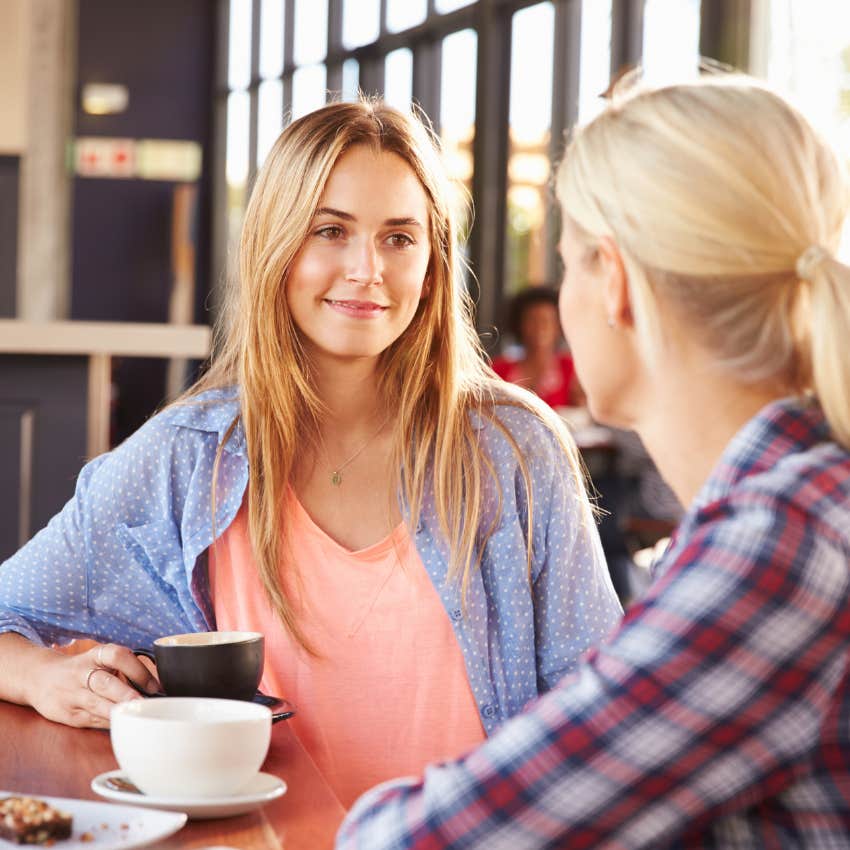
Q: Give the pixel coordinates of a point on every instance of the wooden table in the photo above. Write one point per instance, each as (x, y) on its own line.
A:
(38, 757)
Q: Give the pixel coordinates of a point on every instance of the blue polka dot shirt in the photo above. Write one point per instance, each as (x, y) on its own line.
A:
(124, 561)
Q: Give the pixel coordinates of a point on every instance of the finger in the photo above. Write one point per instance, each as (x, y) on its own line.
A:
(90, 710)
(107, 688)
(122, 660)
(103, 655)
(84, 719)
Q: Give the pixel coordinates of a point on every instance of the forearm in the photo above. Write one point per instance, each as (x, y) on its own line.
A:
(655, 730)
(20, 661)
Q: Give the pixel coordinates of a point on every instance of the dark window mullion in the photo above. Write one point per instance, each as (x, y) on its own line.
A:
(725, 31)
(626, 35)
(253, 90)
(427, 76)
(382, 29)
(333, 63)
(490, 154)
(565, 89)
(288, 53)
(219, 154)
(372, 73)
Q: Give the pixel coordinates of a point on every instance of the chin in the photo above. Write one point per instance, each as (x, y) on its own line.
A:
(605, 412)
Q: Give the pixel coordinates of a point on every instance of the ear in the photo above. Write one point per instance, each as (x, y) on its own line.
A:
(615, 283)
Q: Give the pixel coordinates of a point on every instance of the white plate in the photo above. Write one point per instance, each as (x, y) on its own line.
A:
(262, 789)
(109, 826)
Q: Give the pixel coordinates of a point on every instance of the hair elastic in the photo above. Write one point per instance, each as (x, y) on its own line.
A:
(809, 261)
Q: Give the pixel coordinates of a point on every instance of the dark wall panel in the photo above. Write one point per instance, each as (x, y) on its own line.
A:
(43, 439)
(9, 167)
(164, 52)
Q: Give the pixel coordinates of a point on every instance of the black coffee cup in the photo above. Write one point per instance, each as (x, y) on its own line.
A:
(226, 665)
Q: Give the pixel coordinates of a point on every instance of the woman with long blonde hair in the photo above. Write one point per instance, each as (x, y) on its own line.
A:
(706, 299)
(349, 478)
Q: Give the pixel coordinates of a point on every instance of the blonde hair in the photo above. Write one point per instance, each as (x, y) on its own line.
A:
(433, 375)
(712, 191)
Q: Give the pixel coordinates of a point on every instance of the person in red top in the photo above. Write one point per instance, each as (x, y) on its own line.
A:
(544, 367)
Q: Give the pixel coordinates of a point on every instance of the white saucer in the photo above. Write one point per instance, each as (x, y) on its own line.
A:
(262, 789)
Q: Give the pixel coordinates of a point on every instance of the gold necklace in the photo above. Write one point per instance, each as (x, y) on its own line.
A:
(336, 474)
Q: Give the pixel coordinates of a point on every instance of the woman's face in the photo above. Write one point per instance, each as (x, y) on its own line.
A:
(603, 357)
(539, 327)
(355, 284)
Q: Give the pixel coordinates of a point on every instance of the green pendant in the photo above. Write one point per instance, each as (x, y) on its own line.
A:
(336, 479)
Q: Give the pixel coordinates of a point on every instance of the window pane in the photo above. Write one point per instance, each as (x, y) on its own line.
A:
(457, 86)
(271, 38)
(308, 89)
(350, 79)
(398, 78)
(595, 63)
(670, 40)
(444, 6)
(238, 110)
(402, 14)
(808, 56)
(532, 34)
(269, 117)
(457, 115)
(361, 22)
(311, 31)
(239, 45)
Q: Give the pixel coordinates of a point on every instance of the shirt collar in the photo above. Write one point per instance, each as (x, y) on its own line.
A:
(213, 411)
(786, 426)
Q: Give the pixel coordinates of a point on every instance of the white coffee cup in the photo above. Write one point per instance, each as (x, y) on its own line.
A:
(190, 746)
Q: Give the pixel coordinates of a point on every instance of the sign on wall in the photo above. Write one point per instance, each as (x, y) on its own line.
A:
(142, 159)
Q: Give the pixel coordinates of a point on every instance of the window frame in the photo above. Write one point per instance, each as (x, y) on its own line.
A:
(491, 19)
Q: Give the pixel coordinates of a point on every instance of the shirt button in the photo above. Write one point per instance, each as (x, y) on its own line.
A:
(488, 710)
(420, 527)
(456, 614)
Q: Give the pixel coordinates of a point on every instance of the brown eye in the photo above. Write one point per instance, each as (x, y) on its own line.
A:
(329, 231)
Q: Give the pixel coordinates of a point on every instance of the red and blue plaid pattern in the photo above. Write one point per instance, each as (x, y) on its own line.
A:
(718, 713)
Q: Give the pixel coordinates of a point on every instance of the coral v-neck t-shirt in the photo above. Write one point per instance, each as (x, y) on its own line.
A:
(387, 691)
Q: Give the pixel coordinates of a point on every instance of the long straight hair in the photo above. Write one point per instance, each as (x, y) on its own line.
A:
(432, 377)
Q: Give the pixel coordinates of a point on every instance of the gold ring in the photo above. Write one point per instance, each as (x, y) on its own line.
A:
(91, 673)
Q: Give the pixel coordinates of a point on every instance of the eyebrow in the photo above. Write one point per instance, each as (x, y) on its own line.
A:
(390, 222)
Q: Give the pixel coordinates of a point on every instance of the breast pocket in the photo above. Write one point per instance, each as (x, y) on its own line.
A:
(156, 552)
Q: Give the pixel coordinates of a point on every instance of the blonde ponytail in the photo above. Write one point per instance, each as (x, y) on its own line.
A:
(829, 298)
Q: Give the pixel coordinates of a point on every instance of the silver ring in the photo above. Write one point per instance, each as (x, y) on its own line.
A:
(91, 673)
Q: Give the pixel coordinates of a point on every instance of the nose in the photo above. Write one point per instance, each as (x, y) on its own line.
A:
(364, 264)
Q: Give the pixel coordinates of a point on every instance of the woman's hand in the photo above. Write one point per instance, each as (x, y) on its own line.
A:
(80, 690)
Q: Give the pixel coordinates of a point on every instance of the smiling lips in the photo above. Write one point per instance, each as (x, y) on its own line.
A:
(356, 309)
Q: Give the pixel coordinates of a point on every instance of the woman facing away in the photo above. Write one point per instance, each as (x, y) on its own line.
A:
(350, 479)
(705, 307)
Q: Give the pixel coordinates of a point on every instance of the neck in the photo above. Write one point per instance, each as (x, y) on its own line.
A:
(350, 394)
(690, 421)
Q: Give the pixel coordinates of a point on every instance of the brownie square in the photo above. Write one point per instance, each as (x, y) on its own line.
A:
(26, 820)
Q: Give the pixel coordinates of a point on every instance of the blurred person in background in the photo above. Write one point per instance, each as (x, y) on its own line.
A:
(702, 238)
(541, 364)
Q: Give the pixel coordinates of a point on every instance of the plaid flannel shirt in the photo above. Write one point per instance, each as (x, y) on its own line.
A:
(716, 716)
